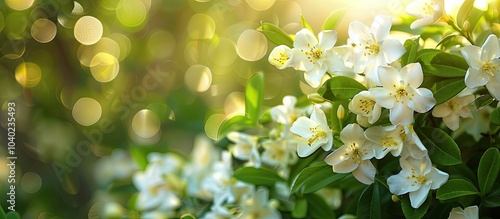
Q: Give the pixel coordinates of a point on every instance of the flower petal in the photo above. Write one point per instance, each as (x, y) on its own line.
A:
(441, 110)
(475, 78)
(412, 74)
(327, 39)
(338, 156)
(490, 49)
(352, 133)
(304, 40)
(401, 114)
(301, 127)
(388, 76)
(313, 77)
(392, 50)
(472, 55)
(451, 121)
(418, 197)
(423, 100)
(383, 98)
(304, 150)
(438, 178)
(359, 32)
(346, 166)
(399, 184)
(380, 27)
(365, 173)
(494, 88)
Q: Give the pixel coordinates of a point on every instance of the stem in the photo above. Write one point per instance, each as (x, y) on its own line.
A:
(464, 34)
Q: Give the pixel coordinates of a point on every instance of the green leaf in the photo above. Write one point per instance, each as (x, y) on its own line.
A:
(2, 213)
(300, 208)
(492, 200)
(315, 177)
(13, 215)
(254, 95)
(456, 188)
(425, 56)
(305, 24)
(318, 208)
(340, 88)
(464, 12)
(275, 34)
(446, 39)
(442, 149)
(257, 176)
(483, 101)
(411, 46)
(414, 213)
(488, 169)
(334, 19)
(448, 88)
(446, 65)
(139, 157)
(495, 116)
(187, 216)
(234, 123)
(475, 15)
(369, 203)
(301, 165)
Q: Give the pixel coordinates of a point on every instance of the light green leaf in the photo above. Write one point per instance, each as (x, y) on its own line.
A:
(305, 24)
(495, 116)
(257, 176)
(334, 19)
(234, 123)
(425, 56)
(447, 38)
(187, 216)
(414, 213)
(340, 88)
(411, 46)
(456, 188)
(475, 15)
(275, 34)
(446, 65)
(464, 12)
(301, 165)
(442, 149)
(369, 205)
(446, 89)
(300, 208)
(488, 169)
(315, 177)
(318, 208)
(254, 95)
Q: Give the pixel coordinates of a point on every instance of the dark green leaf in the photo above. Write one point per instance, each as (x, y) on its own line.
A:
(254, 95)
(442, 149)
(301, 165)
(488, 169)
(483, 101)
(305, 24)
(334, 19)
(414, 213)
(300, 208)
(187, 216)
(464, 12)
(492, 200)
(369, 203)
(340, 88)
(318, 208)
(257, 176)
(495, 116)
(276, 35)
(455, 188)
(315, 177)
(13, 215)
(446, 89)
(2, 213)
(411, 46)
(446, 65)
(234, 123)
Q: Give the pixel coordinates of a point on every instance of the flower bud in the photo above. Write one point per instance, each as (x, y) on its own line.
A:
(466, 26)
(340, 112)
(394, 198)
(315, 98)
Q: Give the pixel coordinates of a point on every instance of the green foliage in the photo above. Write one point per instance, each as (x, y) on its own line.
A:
(305, 24)
(318, 208)
(442, 149)
(495, 116)
(455, 188)
(254, 95)
(414, 213)
(275, 34)
(488, 169)
(300, 208)
(369, 204)
(187, 216)
(446, 89)
(444, 65)
(492, 200)
(334, 19)
(257, 176)
(411, 46)
(315, 177)
(464, 12)
(340, 88)
(13, 215)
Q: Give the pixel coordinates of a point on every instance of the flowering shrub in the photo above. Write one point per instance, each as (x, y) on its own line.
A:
(393, 125)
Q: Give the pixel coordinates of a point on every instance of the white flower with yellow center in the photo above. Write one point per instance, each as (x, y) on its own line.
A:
(280, 153)
(484, 65)
(471, 212)
(428, 12)
(400, 93)
(386, 139)
(314, 132)
(285, 114)
(412, 145)
(417, 177)
(257, 206)
(453, 109)
(372, 47)
(316, 57)
(354, 156)
(282, 57)
(365, 106)
(245, 147)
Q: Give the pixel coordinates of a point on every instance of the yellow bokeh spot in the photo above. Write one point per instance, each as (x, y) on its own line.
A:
(88, 30)
(31, 182)
(192, 53)
(161, 44)
(85, 53)
(19, 5)
(131, 13)
(201, 26)
(124, 44)
(222, 51)
(86, 111)
(146, 123)
(43, 30)
(28, 74)
(212, 125)
(198, 78)
(251, 45)
(104, 67)
(260, 5)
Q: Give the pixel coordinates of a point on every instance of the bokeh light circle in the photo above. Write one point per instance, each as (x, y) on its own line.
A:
(146, 123)
(198, 78)
(131, 13)
(87, 111)
(43, 30)
(31, 182)
(88, 30)
(28, 74)
(201, 26)
(85, 53)
(161, 44)
(260, 5)
(251, 45)
(222, 51)
(19, 5)
(104, 67)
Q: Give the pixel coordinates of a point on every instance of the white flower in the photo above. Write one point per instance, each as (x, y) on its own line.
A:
(316, 57)
(477, 125)
(386, 139)
(412, 146)
(400, 93)
(372, 47)
(165, 163)
(417, 177)
(471, 212)
(280, 153)
(484, 65)
(365, 106)
(453, 109)
(285, 114)
(427, 11)
(245, 147)
(257, 206)
(314, 133)
(282, 57)
(354, 156)
(118, 165)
